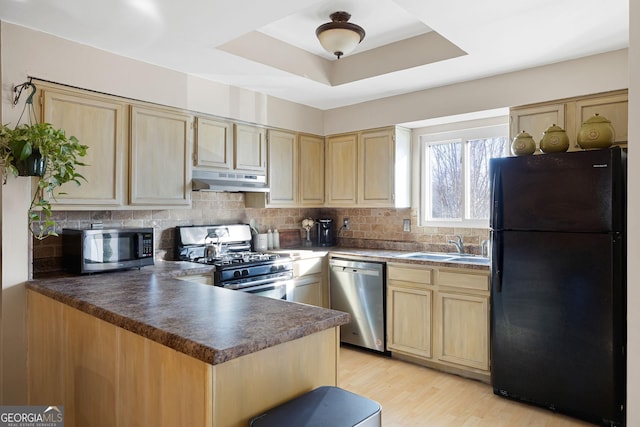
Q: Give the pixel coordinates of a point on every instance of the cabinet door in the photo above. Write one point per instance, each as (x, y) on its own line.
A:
(463, 329)
(311, 170)
(100, 123)
(376, 168)
(342, 170)
(409, 313)
(160, 149)
(214, 144)
(308, 290)
(250, 148)
(536, 120)
(283, 168)
(615, 108)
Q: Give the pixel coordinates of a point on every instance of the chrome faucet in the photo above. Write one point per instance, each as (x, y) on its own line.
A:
(459, 244)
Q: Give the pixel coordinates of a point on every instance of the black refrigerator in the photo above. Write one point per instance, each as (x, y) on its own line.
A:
(558, 282)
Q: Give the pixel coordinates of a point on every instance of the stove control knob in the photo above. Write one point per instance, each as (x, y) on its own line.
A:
(245, 272)
(236, 274)
(274, 268)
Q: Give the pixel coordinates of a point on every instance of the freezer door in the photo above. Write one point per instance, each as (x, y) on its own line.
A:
(580, 191)
(557, 322)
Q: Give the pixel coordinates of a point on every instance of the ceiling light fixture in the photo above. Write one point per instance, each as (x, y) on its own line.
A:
(339, 37)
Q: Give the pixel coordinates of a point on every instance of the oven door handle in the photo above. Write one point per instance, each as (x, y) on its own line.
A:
(261, 287)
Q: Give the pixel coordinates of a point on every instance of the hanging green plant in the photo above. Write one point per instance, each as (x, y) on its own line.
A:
(51, 155)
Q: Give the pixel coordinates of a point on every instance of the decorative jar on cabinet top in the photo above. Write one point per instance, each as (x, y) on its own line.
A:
(554, 140)
(523, 144)
(596, 132)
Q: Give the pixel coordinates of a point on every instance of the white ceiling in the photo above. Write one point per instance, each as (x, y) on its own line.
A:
(270, 46)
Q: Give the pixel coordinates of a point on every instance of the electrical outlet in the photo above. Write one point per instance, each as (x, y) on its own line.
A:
(346, 223)
(406, 225)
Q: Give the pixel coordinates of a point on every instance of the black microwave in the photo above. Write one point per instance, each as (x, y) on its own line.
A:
(98, 250)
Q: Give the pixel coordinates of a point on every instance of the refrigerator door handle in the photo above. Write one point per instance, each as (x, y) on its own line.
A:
(496, 261)
(495, 219)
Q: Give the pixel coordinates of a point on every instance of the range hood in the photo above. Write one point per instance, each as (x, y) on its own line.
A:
(204, 180)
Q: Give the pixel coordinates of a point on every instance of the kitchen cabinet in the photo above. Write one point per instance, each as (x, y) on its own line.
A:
(535, 120)
(462, 325)
(369, 168)
(310, 280)
(100, 122)
(250, 148)
(295, 172)
(614, 107)
(311, 170)
(569, 114)
(383, 168)
(409, 310)
(160, 156)
(282, 168)
(439, 316)
(342, 170)
(139, 155)
(213, 143)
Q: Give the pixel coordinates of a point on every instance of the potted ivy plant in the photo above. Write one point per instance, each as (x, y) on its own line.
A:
(41, 150)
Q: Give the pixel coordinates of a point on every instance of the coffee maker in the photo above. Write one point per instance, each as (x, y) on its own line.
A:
(325, 232)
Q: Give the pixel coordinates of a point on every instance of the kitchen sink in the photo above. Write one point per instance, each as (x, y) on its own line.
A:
(426, 256)
(470, 260)
(461, 258)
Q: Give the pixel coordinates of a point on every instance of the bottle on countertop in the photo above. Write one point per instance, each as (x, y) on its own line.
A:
(269, 239)
(276, 239)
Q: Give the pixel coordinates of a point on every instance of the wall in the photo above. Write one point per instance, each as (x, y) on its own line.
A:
(37, 54)
(633, 245)
(593, 74)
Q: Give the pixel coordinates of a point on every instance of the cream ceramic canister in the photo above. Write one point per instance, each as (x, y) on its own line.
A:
(523, 144)
(554, 140)
(596, 132)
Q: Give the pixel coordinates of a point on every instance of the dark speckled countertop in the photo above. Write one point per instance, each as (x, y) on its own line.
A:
(209, 323)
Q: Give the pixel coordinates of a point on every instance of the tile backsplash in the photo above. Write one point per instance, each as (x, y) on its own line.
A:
(368, 227)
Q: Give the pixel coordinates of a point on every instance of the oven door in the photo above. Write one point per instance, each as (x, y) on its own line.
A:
(282, 289)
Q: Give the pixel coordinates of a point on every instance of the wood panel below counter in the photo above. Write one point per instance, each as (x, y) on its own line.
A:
(106, 376)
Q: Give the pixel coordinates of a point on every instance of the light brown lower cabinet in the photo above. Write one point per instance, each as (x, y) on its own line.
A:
(106, 376)
(310, 280)
(411, 312)
(439, 317)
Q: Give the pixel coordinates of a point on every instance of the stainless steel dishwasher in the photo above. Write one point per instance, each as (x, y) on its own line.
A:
(358, 288)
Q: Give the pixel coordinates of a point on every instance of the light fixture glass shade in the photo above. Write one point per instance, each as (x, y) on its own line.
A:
(339, 36)
(339, 41)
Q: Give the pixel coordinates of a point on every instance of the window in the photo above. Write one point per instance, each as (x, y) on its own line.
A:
(455, 175)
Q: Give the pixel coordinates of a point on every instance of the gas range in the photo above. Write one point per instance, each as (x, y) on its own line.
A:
(228, 248)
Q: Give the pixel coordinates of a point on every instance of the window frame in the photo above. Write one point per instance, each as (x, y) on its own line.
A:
(462, 135)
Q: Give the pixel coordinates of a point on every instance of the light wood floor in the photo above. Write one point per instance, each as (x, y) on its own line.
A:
(414, 396)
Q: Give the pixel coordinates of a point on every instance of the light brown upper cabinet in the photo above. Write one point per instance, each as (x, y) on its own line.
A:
(295, 171)
(160, 157)
(213, 144)
(342, 170)
(283, 168)
(101, 123)
(311, 170)
(570, 113)
(250, 148)
(535, 120)
(369, 168)
(614, 107)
